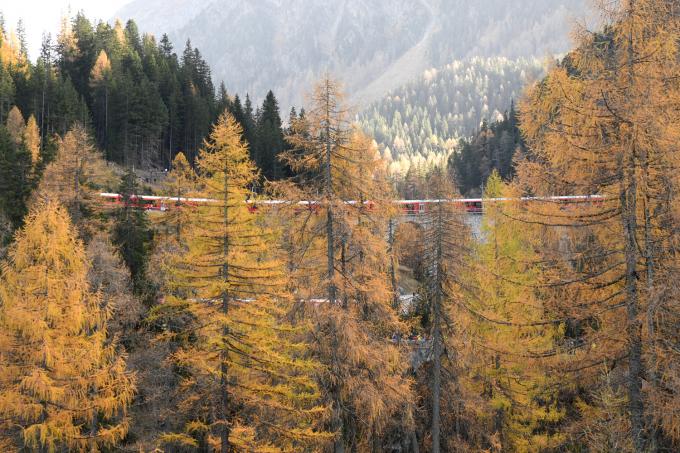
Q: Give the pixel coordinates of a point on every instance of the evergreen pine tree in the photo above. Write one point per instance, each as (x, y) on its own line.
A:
(15, 177)
(270, 140)
(132, 233)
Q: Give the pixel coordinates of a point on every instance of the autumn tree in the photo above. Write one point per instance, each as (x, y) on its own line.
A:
(445, 252)
(16, 125)
(109, 276)
(63, 383)
(248, 378)
(76, 175)
(512, 334)
(32, 140)
(100, 82)
(605, 121)
(10, 49)
(340, 255)
(180, 184)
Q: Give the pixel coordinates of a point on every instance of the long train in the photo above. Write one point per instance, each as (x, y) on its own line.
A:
(407, 207)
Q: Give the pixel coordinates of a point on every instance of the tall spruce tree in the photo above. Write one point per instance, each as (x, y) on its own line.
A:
(16, 179)
(132, 233)
(270, 140)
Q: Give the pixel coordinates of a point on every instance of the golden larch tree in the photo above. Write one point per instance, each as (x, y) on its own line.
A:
(63, 382)
(10, 49)
(512, 335)
(337, 236)
(101, 68)
(32, 139)
(76, 175)
(16, 125)
(250, 380)
(605, 121)
(180, 184)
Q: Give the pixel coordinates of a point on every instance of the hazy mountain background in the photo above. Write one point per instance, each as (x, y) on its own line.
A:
(423, 121)
(374, 46)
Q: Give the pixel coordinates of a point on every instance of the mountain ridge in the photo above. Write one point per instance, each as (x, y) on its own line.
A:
(257, 45)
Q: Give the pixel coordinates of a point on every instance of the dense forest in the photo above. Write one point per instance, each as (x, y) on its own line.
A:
(422, 123)
(142, 101)
(329, 321)
(495, 147)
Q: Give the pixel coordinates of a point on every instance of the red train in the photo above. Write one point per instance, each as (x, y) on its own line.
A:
(150, 202)
(407, 207)
(420, 207)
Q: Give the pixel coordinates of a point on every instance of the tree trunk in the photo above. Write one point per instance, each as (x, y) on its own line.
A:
(633, 328)
(337, 424)
(42, 113)
(500, 413)
(652, 301)
(629, 192)
(343, 270)
(224, 382)
(328, 182)
(436, 381)
(437, 333)
(106, 123)
(414, 442)
(125, 136)
(393, 265)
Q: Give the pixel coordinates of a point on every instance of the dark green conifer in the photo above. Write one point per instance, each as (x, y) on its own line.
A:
(132, 234)
(270, 141)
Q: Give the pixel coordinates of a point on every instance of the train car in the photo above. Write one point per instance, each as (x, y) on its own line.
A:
(473, 205)
(412, 208)
(145, 202)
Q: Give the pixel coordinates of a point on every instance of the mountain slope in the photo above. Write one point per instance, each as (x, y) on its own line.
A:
(377, 46)
(422, 121)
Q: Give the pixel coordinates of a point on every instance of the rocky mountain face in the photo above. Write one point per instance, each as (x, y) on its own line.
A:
(374, 47)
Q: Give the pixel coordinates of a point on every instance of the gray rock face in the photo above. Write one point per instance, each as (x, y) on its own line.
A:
(373, 46)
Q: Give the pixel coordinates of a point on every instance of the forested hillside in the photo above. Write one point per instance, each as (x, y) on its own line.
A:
(374, 48)
(143, 99)
(497, 146)
(422, 123)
